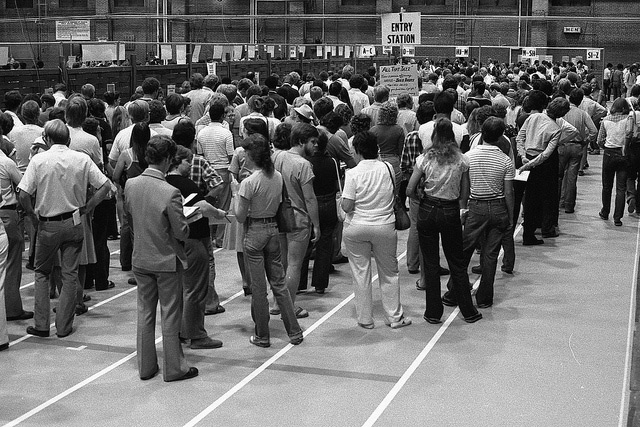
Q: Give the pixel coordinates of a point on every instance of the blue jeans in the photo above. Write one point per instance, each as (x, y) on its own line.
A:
(262, 253)
(488, 221)
(614, 166)
(570, 157)
(436, 219)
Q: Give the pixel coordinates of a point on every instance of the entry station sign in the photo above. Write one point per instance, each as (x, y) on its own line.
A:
(401, 29)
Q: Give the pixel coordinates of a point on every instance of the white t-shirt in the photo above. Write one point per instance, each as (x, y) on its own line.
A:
(426, 130)
(370, 185)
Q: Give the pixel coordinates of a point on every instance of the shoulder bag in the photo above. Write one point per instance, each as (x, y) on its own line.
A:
(285, 217)
(402, 218)
(341, 213)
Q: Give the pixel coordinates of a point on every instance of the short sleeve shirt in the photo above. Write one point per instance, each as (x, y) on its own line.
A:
(264, 193)
(370, 186)
(442, 181)
(296, 171)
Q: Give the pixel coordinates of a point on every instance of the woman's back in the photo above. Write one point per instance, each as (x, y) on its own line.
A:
(370, 185)
(442, 181)
(263, 192)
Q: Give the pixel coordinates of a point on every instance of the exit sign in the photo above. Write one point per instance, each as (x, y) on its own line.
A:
(572, 30)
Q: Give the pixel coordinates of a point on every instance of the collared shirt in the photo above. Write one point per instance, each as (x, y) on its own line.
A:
(203, 174)
(580, 120)
(85, 143)
(489, 168)
(538, 137)
(593, 109)
(426, 130)
(373, 111)
(199, 102)
(614, 130)
(359, 100)
(122, 141)
(410, 152)
(215, 143)
(407, 120)
(9, 176)
(23, 139)
(59, 178)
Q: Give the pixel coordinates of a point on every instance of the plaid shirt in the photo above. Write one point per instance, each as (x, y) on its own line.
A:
(205, 176)
(411, 150)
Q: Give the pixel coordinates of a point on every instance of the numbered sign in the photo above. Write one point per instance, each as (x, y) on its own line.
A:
(408, 51)
(593, 54)
(367, 51)
(386, 50)
(293, 51)
(462, 51)
(528, 52)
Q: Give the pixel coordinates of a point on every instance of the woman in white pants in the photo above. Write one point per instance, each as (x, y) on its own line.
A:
(368, 197)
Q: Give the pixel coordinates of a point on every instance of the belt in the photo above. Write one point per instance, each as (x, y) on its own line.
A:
(261, 220)
(497, 199)
(9, 207)
(440, 202)
(60, 217)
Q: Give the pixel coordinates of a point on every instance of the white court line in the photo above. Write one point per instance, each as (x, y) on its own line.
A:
(624, 403)
(418, 360)
(195, 420)
(92, 378)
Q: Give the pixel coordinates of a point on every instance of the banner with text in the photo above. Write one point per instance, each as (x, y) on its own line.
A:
(400, 79)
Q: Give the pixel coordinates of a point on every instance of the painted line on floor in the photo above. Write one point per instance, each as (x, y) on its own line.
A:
(420, 358)
(246, 380)
(626, 382)
(92, 378)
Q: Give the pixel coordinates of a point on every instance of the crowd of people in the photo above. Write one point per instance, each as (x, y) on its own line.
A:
(221, 162)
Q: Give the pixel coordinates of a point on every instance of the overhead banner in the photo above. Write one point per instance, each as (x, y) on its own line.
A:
(102, 52)
(400, 79)
(401, 28)
(78, 29)
(166, 53)
(195, 57)
(181, 54)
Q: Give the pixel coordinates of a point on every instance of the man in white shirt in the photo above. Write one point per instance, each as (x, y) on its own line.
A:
(359, 100)
(443, 104)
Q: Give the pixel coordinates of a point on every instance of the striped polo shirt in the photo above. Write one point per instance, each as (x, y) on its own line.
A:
(489, 167)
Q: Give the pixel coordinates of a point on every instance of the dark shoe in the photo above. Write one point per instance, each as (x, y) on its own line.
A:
(580, 173)
(301, 313)
(319, 290)
(205, 343)
(443, 271)
(550, 235)
(533, 242)
(301, 291)
(4, 346)
(86, 298)
(476, 269)
(24, 316)
(151, 375)
(297, 340)
(65, 335)
(191, 373)
(448, 302)
(506, 270)
(419, 286)
(30, 266)
(219, 309)
(127, 268)
(484, 305)
(110, 285)
(81, 309)
(432, 320)
(586, 165)
(603, 216)
(474, 318)
(617, 222)
(258, 342)
(569, 211)
(132, 281)
(247, 291)
(340, 260)
(332, 269)
(33, 331)
(366, 325)
(632, 205)
(414, 271)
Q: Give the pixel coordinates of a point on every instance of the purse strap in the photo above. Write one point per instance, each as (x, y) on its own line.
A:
(338, 174)
(393, 181)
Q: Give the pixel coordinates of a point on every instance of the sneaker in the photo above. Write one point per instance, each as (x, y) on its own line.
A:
(301, 313)
(405, 321)
(297, 340)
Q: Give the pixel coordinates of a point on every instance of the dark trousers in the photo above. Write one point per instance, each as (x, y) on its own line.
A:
(442, 219)
(126, 241)
(98, 273)
(614, 167)
(324, 245)
(541, 202)
(112, 222)
(633, 171)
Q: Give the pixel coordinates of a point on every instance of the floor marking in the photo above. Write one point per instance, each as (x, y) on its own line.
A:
(195, 420)
(423, 354)
(626, 383)
(82, 347)
(93, 377)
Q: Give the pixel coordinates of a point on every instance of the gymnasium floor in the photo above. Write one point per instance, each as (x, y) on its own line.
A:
(554, 350)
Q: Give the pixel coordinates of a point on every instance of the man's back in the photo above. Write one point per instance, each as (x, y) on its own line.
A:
(23, 139)
(296, 171)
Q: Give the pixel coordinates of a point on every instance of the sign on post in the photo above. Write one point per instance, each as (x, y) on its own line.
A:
(386, 50)
(401, 28)
(409, 51)
(528, 52)
(462, 51)
(78, 29)
(593, 54)
(400, 79)
(367, 51)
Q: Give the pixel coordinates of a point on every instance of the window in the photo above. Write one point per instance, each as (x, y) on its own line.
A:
(19, 4)
(128, 3)
(570, 2)
(69, 4)
(426, 2)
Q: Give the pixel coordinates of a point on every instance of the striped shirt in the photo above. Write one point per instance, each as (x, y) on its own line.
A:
(216, 145)
(489, 167)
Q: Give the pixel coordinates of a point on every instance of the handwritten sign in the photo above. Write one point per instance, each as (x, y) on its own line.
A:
(401, 28)
(400, 79)
(102, 52)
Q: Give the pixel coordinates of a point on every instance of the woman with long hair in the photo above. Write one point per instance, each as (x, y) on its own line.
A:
(260, 195)
(120, 120)
(446, 184)
(615, 130)
(390, 137)
(132, 161)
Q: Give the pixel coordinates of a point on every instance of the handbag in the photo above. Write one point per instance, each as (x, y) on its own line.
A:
(341, 213)
(402, 218)
(285, 217)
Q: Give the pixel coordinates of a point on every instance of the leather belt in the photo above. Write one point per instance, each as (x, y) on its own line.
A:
(60, 217)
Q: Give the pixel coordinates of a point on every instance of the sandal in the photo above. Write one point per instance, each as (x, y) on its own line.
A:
(405, 321)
